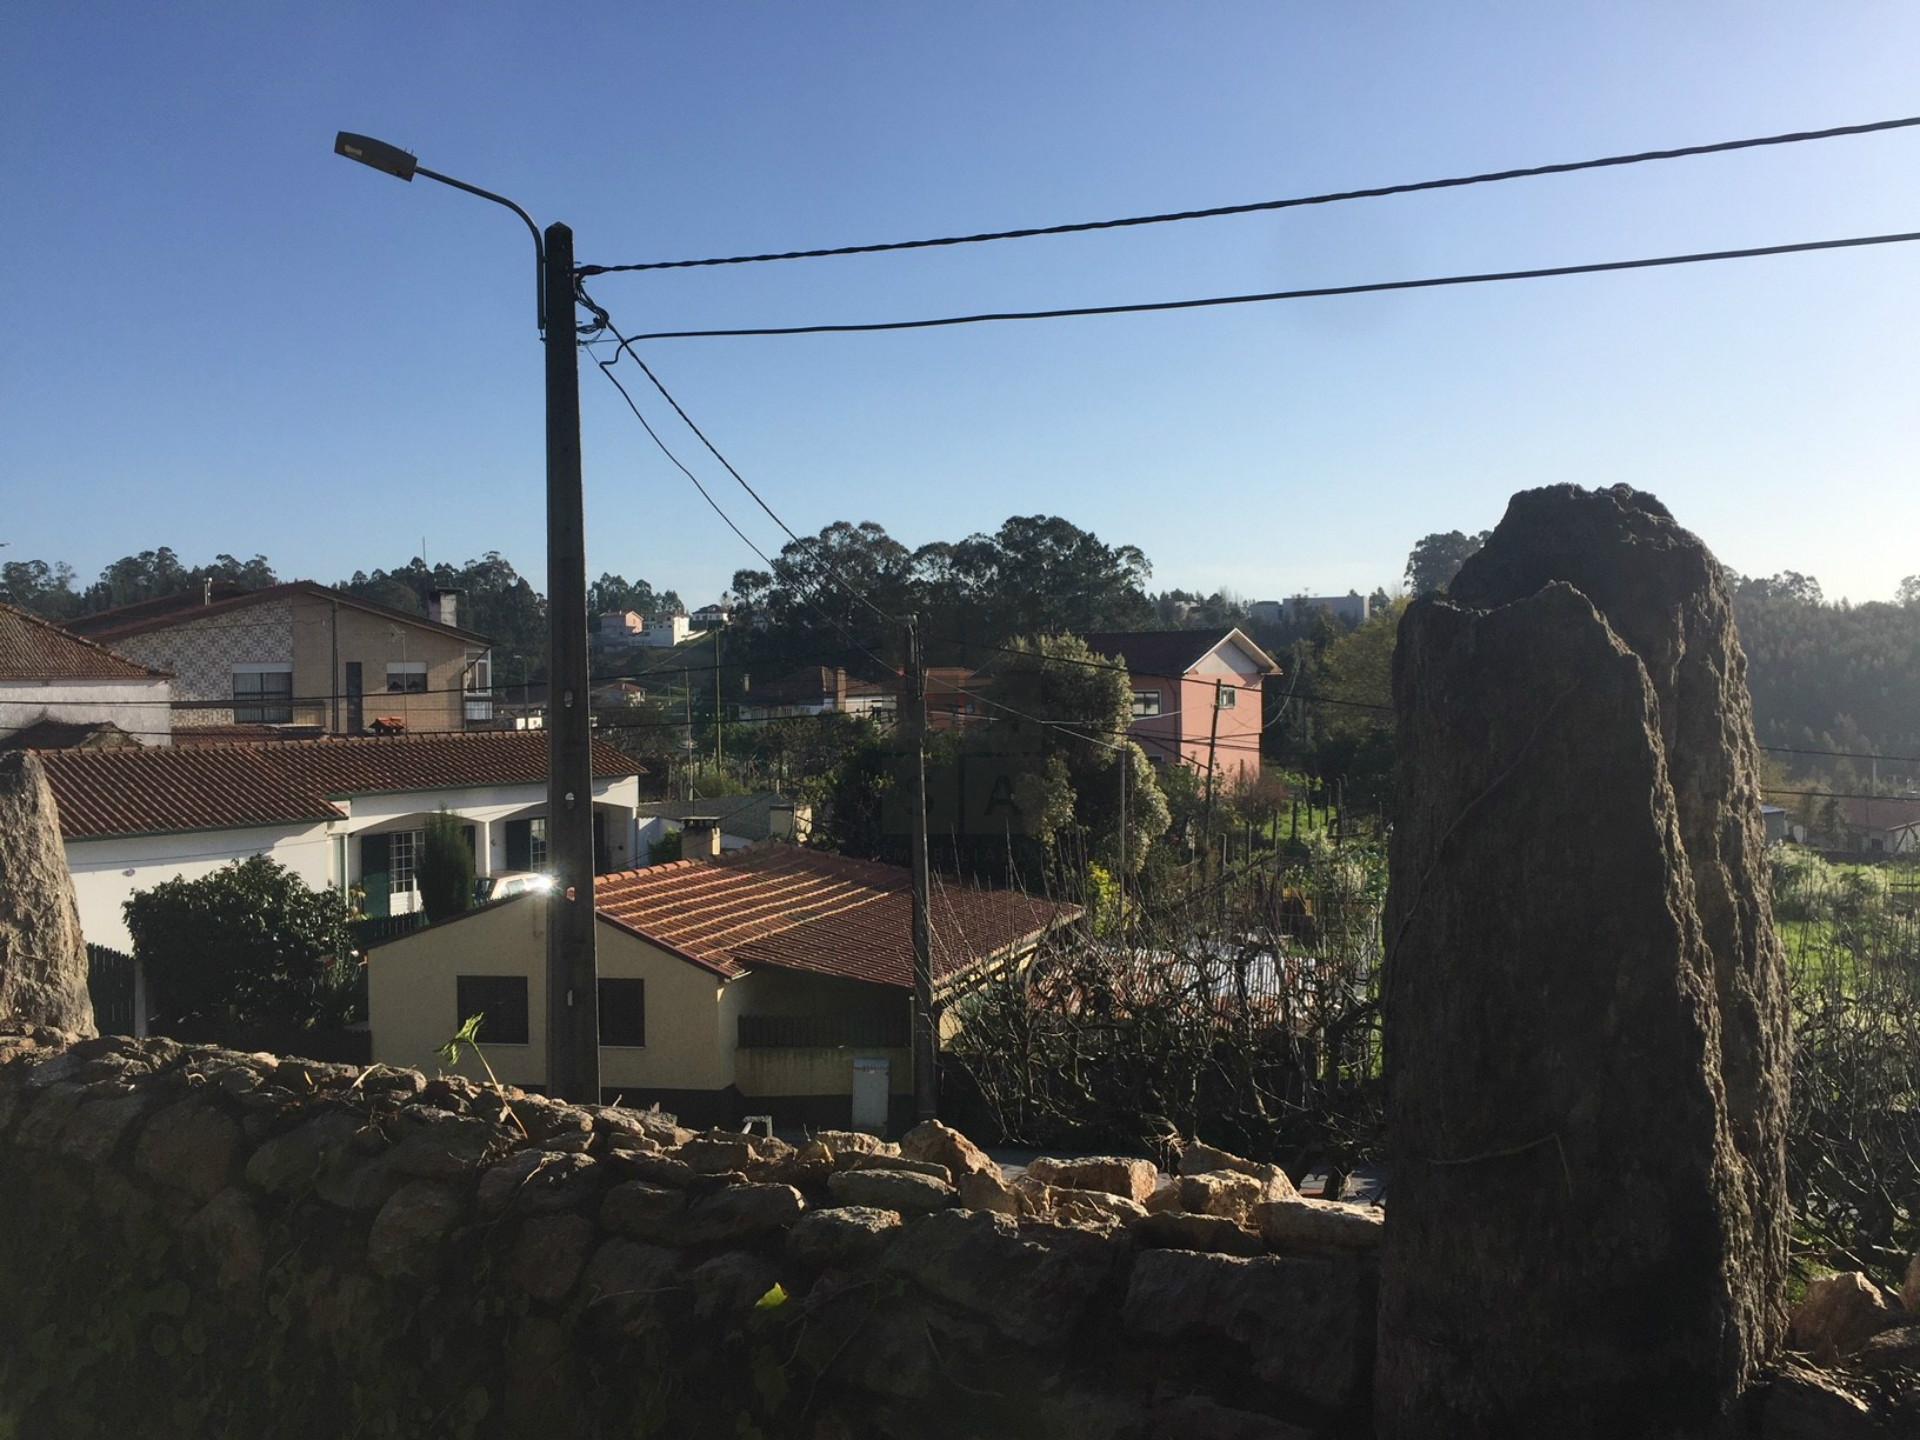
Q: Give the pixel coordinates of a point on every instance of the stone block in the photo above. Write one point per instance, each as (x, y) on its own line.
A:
(227, 1236)
(1303, 1326)
(537, 1182)
(1319, 1226)
(408, 1236)
(1132, 1179)
(642, 1211)
(445, 1146)
(1214, 1234)
(1034, 1285)
(845, 1237)
(902, 1190)
(549, 1253)
(629, 1287)
(188, 1146)
(943, 1145)
(289, 1164)
(1838, 1315)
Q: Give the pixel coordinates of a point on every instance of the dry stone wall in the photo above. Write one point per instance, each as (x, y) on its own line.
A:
(195, 1241)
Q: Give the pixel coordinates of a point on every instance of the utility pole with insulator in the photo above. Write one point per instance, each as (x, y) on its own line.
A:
(573, 982)
(573, 1029)
(926, 1024)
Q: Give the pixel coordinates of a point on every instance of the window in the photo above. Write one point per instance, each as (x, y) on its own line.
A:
(269, 689)
(406, 677)
(1145, 702)
(479, 685)
(403, 852)
(537, 843)
(623, 1012)
(501, 998)
(1227, 695)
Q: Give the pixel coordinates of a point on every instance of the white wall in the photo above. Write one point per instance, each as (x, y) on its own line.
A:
(107, 871)
(139, 707)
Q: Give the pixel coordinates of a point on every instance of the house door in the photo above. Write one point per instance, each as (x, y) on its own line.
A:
(375, 878)
(871, 1082)
(356, 703)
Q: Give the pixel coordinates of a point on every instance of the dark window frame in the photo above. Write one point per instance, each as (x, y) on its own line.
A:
(470, 999)
(259, 703)
(638, 991)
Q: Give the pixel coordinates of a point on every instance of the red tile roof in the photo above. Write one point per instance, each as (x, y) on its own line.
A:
(36, 649)
(797, 909)
(226, 787)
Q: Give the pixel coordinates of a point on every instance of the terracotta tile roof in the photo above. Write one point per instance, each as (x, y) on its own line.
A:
(797, 909)
(191, 605)
(227, 787)
(36, 649)
(1882, 812)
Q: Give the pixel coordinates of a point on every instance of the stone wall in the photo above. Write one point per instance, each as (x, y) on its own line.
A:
(202, 1242)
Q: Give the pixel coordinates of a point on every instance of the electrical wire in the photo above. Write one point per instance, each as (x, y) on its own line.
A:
(1311, 293)
(1259, 206)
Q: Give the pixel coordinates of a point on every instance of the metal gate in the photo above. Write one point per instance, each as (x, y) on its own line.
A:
(110, 987)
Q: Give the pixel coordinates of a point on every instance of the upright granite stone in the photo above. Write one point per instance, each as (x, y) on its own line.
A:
(1586, 1026)
(43, 960)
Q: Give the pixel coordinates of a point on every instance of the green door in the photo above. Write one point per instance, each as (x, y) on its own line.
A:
(374, 879)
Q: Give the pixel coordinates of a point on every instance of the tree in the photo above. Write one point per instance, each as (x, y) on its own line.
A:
(46, 590)
(1437, 558)
(249, 946)
(444, 871)
(1909, 592)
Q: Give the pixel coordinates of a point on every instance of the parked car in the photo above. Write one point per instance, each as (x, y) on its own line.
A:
(503, 883)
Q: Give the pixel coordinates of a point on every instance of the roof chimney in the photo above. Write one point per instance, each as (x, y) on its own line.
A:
(701, 837)
(443, 607)
(206, 591)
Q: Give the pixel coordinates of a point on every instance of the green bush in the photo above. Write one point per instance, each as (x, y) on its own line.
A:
(444, 871)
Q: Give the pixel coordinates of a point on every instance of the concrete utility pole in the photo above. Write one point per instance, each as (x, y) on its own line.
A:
(926, 1025)
(718, 753)
(573, 1002)
(1213, 739)
(573, 983)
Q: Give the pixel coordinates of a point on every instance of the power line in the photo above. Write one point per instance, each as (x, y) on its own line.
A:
(1313, 293)
(1258, 206)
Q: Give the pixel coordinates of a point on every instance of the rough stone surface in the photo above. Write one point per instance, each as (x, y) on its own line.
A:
(190, 1148)
(404, 1241)
(227, 1233)
(1034, 1286)
(1910, 1287)
(843, 1236)
(1897, 1349)
(1838, 1315)
(43, 958)
(534, 1182)
(1199, 1160)
(1586, 1042)
(1215, 1234)
(1803, 1404)
(1115, 1175)
(988, 1190)
(902, 1190)
(1319, 1225)
(549, 1254)
(1304, 1322)
(943, 1145)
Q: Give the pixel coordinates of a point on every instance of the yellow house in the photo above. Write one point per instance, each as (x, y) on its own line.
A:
(770, 981)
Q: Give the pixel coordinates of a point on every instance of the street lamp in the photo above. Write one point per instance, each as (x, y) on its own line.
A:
(573, 1026)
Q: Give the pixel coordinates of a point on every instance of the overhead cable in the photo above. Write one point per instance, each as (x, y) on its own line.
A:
(1258, 206)
(1317, 292)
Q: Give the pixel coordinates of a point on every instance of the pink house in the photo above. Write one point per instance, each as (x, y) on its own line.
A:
(1196, 693)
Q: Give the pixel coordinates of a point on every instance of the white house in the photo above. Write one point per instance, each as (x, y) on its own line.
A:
(742, 820)
(57, 689)
(343, 812)
(665, 631)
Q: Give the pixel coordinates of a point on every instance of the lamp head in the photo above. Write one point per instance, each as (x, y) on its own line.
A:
(390, 159)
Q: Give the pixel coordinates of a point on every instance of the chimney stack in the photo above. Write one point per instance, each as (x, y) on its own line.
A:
(701, 837)
(780, 820)
(443, 607)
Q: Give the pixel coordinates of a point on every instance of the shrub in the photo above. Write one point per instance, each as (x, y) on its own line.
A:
(444, 871)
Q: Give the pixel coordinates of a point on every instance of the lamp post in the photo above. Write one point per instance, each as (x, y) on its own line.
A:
(573, 1028)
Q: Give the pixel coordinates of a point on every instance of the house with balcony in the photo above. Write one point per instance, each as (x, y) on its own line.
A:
(346, 813)
(305, 659)
(58, 690)
(771, 981)
(1196, 696)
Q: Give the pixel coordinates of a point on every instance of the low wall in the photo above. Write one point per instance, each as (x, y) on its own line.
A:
(195, 1241)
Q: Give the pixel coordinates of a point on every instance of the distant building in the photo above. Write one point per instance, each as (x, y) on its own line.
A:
(1196, 695)
(619, 627)
(58, 690)
(742, 820)
(1354, 608)
(665, 631)
(819, 690)
(711, 617)
(302, 654)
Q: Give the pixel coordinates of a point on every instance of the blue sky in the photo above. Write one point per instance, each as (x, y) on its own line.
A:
(223, 338)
